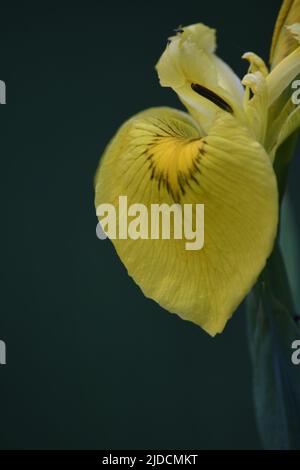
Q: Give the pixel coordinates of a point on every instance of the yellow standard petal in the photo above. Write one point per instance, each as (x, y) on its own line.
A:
(283, 42)
(283, 75)
(203, 82)
(283, 105)
(161, 156)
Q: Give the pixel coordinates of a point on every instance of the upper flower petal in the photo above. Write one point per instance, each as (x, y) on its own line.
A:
(283, 42)
(283, 111)
(204, 83)
(160, 156)
(283, 75)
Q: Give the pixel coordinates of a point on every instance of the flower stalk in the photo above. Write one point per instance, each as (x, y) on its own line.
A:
(272, 327)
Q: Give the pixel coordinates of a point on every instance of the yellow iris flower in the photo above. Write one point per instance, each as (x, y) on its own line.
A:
(219, 154)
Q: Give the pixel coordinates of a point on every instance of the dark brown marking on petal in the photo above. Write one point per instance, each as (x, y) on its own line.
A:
(160, 177)
(212, 96)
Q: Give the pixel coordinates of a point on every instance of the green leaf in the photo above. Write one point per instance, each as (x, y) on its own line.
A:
(272, 330)
(282, 162)
(290, 248)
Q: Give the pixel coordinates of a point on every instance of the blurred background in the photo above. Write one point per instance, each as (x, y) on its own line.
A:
(92, 363)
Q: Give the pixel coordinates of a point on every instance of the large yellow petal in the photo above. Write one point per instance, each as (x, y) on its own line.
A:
(159, 156)
(283, 42)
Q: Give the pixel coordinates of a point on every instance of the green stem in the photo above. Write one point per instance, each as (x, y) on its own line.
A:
(276, 280)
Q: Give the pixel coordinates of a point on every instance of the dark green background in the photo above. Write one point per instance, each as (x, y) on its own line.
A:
(91, 362)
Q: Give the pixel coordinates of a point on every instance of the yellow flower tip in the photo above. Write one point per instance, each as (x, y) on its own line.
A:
(256, 63)
(283, 42)
(175, 66)
(252, 80)
(203, 36)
